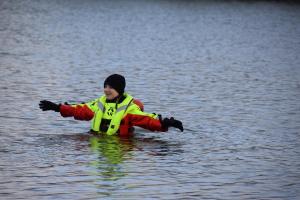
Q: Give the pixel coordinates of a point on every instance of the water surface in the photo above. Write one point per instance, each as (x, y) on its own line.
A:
(228, 70)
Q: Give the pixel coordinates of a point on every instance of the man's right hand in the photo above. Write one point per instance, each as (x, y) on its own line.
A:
(48, 105)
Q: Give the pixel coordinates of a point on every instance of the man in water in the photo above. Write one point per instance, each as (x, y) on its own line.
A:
(114, 113)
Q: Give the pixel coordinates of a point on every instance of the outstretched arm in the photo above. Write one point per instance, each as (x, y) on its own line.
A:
(152, 122)
(144, 121)
(79, 112)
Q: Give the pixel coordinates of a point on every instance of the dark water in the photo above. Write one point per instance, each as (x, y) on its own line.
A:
(230, 70)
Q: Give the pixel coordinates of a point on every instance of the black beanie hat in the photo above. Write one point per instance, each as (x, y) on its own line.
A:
(117, 82)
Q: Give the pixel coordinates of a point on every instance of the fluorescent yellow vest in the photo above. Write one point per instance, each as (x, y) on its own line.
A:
(98, 107)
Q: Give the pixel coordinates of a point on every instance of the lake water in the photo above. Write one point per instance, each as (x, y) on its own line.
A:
(230, 70)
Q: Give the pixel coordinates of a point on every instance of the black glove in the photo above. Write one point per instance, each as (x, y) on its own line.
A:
(166, 123)
(48, 105)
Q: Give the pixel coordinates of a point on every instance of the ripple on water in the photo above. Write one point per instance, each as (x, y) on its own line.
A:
(228, 70)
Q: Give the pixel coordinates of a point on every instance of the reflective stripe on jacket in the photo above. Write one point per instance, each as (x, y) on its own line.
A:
(99, 109)
(126, 115)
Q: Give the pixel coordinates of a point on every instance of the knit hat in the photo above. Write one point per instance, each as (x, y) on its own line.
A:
(117, 82)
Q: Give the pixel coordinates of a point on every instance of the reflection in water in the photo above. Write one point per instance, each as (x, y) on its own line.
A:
(111, 151)
(229, 69)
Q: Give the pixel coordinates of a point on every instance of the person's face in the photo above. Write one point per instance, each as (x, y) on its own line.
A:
(110, 92)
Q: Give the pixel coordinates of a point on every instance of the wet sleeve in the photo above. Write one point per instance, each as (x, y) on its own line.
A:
(136, 117)
(79, 112)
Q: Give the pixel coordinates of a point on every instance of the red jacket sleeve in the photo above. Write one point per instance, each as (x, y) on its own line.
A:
(78, 112)
(143, 121)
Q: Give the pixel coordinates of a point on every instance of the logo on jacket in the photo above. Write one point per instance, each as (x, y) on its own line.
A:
(110, 111)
